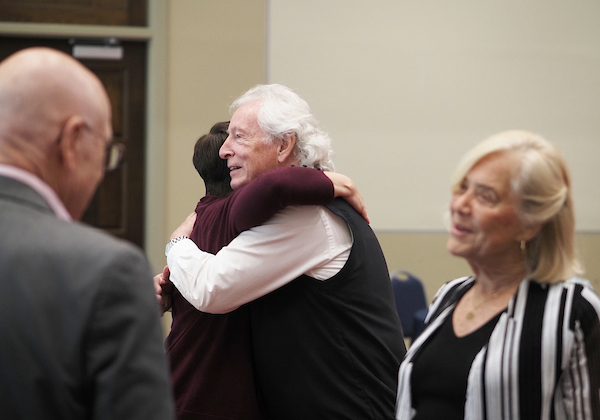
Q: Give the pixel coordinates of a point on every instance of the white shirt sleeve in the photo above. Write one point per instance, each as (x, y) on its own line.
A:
(298, 240)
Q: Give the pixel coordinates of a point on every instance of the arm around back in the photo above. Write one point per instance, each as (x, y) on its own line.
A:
(255, 203)
(272, 191)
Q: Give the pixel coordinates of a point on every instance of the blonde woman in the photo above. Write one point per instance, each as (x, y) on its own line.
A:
(520, 338)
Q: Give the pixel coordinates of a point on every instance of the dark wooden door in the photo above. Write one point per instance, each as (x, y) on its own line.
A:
(118, 206)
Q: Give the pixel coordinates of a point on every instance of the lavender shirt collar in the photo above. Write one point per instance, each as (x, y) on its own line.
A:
(38, 186)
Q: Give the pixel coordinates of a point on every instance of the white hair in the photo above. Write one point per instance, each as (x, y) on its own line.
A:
(283, 112)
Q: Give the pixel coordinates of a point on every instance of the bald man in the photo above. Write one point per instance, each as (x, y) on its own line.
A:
(80, 336)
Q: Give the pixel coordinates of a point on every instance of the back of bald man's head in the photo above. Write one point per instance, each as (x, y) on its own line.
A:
(40, 88)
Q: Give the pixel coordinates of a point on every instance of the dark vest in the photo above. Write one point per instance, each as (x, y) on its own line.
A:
(331, 349)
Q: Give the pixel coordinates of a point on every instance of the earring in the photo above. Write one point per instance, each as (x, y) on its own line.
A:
(523, 244)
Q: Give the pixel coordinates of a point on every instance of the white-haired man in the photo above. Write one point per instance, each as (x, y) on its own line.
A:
(327, 341)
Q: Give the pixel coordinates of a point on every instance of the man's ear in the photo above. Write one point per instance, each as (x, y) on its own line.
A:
(286, 147)
(70, 140)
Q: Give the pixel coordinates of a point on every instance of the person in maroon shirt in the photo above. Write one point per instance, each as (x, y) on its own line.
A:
(210, 355)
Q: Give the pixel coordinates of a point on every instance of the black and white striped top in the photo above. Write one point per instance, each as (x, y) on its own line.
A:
(542, 360)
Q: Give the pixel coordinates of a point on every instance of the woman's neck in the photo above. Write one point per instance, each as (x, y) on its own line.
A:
(493, 279)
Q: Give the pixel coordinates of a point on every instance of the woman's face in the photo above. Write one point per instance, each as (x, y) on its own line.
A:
(485, 226)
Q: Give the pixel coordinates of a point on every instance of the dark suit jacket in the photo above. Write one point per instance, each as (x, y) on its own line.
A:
(79, 323)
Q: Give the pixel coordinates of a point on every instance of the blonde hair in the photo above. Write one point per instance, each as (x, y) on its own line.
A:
(542, 186)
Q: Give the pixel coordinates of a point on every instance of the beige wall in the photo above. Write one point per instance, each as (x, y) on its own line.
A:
(216, 50)
(406, 87)
(210, 52)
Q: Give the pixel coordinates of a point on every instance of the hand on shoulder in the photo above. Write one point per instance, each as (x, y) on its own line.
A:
(344, 187)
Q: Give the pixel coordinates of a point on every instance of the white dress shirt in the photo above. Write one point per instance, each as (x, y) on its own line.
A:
(298, 240)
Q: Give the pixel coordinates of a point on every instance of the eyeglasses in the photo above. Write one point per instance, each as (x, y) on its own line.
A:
(114, 151)
(114, 154)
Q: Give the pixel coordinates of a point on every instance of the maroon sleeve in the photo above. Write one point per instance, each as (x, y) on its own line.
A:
(272, 191)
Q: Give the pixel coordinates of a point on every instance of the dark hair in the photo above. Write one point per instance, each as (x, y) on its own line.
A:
(210, 166)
